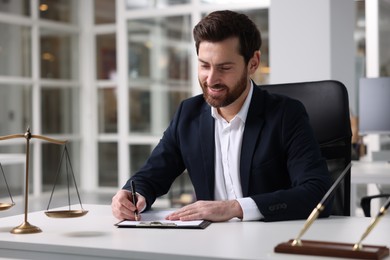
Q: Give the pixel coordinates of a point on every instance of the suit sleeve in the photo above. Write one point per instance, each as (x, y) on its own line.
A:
(305, 168)
(163, 166)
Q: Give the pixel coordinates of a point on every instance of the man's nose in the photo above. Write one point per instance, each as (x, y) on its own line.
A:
(213, 77)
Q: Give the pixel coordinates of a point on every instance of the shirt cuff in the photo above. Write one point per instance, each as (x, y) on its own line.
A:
(249, 208)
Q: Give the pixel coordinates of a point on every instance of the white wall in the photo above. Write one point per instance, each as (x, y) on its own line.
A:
(313, 40)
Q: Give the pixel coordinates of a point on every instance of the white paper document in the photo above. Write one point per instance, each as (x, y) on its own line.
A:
(156, 219)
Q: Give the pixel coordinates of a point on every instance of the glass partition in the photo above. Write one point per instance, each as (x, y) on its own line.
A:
(52, 165)
(14, 174)
(108, 164)
(260, 18)
(384, 38)
(21, 7)
(15, 50)
(39, 81)
(58, 10)
(60, 110)
(15, 117)
(159, 68)
(224, 2)
(140, 110)
(15, 112)
(131, 4)
(59, 55)
(106, 57)
(107, 110)
(138, 156)
(104, 11)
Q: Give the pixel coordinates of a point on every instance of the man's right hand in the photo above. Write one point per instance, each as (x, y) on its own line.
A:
(123, 208)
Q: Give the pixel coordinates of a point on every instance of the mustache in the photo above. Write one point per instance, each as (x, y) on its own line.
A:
(216, 86)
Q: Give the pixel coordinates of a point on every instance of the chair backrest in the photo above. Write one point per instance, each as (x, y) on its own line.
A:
(327, 105)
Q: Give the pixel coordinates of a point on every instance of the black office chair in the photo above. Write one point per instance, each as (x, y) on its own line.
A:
(327, 105)
(365, 202)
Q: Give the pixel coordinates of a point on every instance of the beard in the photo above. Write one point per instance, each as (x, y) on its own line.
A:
(227, 95)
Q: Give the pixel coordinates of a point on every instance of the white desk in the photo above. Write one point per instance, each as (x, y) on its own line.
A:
(94, 237)
(367, 173)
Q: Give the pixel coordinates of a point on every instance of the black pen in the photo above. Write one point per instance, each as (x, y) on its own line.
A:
(134, 198)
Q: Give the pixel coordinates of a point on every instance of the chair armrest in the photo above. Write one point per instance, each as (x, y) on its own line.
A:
(365, 202)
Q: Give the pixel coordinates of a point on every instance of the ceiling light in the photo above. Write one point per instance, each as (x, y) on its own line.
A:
(43, 7)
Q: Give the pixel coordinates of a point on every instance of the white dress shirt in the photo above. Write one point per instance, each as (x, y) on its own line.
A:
(228, 141)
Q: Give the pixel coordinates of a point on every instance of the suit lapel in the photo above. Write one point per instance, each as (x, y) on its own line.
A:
(206, 130)
(253, 124)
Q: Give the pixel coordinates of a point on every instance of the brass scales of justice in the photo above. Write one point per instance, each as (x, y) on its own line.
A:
(26, 227)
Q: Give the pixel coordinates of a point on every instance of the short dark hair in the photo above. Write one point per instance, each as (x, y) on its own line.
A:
(221, 25)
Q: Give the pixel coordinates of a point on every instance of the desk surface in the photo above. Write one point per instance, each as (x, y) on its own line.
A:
(370, 172)
(95, 237)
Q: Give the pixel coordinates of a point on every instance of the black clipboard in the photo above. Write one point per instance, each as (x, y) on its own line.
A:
(164, 224)
(156, 219)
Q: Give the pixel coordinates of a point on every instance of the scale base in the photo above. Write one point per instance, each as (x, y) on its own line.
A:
(25, 228)
(321, 248)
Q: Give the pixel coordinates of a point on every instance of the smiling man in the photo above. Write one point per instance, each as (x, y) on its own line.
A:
(249, 154)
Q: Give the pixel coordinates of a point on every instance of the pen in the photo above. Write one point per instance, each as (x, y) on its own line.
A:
(374, 222)
(134, 198)
(320, 207)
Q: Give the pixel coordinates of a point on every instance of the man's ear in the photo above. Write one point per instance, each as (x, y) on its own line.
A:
(254, 62)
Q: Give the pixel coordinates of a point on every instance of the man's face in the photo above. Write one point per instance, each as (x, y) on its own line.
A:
(222, 72)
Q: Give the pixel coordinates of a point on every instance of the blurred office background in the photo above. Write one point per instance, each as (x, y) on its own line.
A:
(108, 75)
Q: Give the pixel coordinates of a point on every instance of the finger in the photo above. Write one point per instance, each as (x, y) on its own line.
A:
(175, 215)
(121, 212)
(141, 203)
(171, 217)
(184, 214)
(122, 207)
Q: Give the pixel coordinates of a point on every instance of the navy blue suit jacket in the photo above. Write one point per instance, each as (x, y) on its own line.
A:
(281, 167)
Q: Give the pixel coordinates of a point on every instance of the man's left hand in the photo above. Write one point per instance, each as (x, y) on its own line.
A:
(216, 211)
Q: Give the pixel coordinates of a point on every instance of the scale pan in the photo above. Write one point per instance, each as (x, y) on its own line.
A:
(66, 213)
(5, 206)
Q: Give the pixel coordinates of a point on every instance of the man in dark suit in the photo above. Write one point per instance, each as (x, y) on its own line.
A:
(249, 154)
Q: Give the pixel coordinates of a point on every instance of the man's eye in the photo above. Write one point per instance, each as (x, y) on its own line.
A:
(225, 68)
